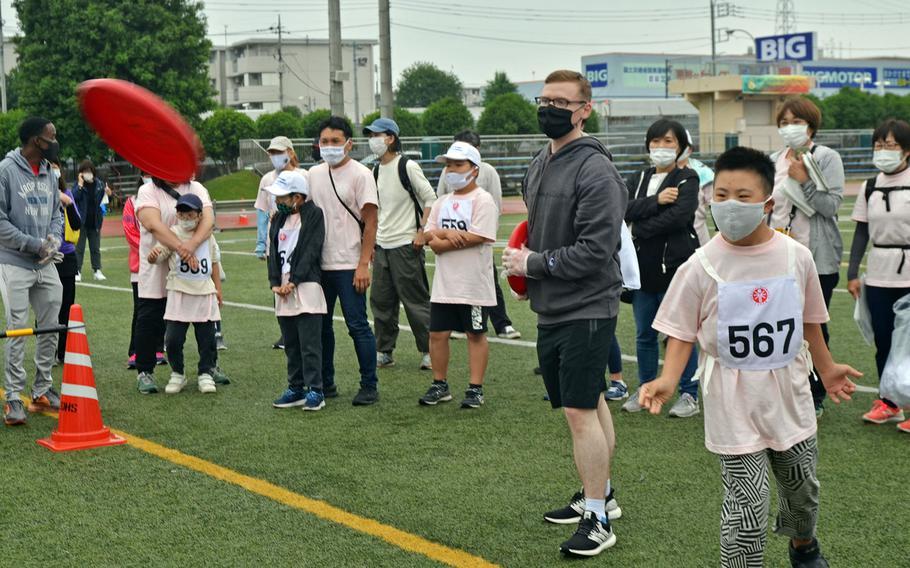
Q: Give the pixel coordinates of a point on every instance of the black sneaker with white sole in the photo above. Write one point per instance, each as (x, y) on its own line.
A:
(473, 398)
(591, 537)
(438, 392)
(572, 513)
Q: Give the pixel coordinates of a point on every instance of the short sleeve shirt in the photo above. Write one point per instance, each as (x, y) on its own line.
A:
(800, 228)
(887, 228)
(265, 201)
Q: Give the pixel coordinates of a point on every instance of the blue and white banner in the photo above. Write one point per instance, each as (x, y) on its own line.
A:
(896, 78)
(837, 77)
(596, 73)
(789, 47)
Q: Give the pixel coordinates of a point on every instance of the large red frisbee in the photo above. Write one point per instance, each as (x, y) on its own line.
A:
(141, 127)
(519, 284)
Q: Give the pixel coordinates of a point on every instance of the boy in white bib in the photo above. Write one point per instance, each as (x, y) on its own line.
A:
(193, 296)
(752, 300)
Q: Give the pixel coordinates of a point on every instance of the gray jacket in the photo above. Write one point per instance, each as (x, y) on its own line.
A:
(824, 236)
(29, 210)
(576, 202)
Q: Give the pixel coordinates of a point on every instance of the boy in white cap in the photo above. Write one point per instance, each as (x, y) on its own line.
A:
(296, 237)
(461, 230)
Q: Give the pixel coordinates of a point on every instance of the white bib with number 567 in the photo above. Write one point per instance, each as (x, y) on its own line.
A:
(287, 242)
(759, 322)
(204, 271)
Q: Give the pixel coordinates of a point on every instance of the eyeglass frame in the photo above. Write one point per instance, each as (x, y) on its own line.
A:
(546, 101)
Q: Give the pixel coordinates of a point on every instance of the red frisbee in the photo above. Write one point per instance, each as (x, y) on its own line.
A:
(519, 284)
(141, 127)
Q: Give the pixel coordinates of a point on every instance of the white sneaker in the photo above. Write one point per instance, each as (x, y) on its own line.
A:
(632, 405)
(509, 332)
(458, 335)
(685, 407)
(206, 383)
(425, 363)
(78, 277)
(176, 384)
(99, 275)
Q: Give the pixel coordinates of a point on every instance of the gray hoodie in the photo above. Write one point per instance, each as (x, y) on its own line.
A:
(576, 202)
(29, 210)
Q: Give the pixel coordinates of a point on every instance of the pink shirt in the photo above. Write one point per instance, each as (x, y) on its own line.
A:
(265, 201)
(745, 411)
(888, 228)
(153, 277)
(800, 228)
(465, 276)
(356, 188)
(307, 297)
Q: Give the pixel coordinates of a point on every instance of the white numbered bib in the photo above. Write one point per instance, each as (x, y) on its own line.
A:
(456, 214)
(759, 322)
(204, 271)
(287, 242)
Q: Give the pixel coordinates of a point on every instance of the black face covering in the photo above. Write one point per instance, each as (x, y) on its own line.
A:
(554, 122)
(52, 152)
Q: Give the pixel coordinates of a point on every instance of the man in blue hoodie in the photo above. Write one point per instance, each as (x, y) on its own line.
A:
(31, 223)
(576, 201)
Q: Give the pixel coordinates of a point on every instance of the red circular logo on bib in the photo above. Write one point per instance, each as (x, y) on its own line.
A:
(282, 237)
(760, 296)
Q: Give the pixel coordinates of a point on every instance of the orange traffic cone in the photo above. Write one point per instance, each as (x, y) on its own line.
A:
(243, 220)
(79, 426)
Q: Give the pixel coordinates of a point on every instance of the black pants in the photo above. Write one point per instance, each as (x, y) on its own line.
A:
(497, 314)
(303, 348)
(828, 283)
(175, 338)
(94, 246)
(881, 307)
(67, 272)
(150, 327)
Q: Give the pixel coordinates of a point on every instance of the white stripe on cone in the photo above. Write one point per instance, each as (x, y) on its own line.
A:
(76, 327)
(77, 359)
(80, 391)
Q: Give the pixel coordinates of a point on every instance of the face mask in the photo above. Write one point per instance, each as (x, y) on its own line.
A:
(284, 208)
(378, 145)
(146, 180)
(887, 160)
(736, 220)
(333, 155)
(51, 152)
(88, 177)
(279, 161)
(554, 122)
(795, 135)
(685, 155)
(188, 224)
(56, 171)
(458, 181)
(663, 157)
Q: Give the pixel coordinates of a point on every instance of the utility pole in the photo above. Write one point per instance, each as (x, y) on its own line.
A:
(222, 71)
(2, 65)
(356, 92)
(336, 87)
(386, 103)
(280, 65)
(713, 40)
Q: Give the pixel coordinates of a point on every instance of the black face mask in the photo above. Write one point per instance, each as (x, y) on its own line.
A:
(52, 152)
(555, 122)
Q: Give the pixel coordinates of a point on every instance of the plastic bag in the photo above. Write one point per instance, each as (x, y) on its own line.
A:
(628, 261)
(895, 383)
(862, 316)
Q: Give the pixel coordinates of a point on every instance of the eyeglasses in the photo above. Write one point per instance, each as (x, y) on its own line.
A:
(886, 146)
(558, 103)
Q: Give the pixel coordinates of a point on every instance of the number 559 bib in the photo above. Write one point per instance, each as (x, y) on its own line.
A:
(204, 272)
(759, 322)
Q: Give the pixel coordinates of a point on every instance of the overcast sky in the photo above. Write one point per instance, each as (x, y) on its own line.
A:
(528, 38)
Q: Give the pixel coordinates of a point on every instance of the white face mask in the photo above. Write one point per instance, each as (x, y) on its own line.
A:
(88, 177)
(458, 181)
(333, 155)
(685, 155)
(188, 224)
(146, 180)
(795, 135)
(888, 160)
(56, 171)
(378, 145)
(279, 161)
(662, 157)
(737, 220)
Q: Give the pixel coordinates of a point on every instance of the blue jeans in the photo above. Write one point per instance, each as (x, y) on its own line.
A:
(340, 284)
(644, 306)
(262, 231)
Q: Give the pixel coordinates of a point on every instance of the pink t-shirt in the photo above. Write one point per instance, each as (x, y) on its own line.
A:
(465, 276)
(357, 188)
(153, 277)
(265, 201)
(745, 410)
(308, 297)
(888, 228)
(800, 228)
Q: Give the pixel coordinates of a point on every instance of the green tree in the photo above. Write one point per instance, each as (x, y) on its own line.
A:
(278, 123)
(498, 85)
(222, 131)
(422, 84)
(408, 122)
(9, 129)
(592, 125)
(509, 114)
(312, 121)
(446, 117)
(158, 44)
(851, 108)
(293, 109)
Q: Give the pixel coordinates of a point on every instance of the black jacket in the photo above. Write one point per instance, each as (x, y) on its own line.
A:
(86, 209)
(663, 234)
(306, 259)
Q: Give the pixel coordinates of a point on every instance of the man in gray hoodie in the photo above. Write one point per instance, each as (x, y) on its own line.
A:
(576, 201)
(31, 225)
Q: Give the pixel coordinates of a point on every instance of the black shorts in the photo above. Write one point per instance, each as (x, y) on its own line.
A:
(457, 317)
(573, 357)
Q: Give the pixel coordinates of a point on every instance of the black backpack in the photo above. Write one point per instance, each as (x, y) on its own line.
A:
(406, 183)
(886, 192)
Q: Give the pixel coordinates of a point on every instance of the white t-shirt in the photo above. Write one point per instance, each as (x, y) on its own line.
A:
(800, 229)
(465, 276)
(745, 410)
(307, 297)
(265, 201)
(153, 277)
(397, 222)
(887, 228)
(487, 178)
(654, 183)
(356, 187)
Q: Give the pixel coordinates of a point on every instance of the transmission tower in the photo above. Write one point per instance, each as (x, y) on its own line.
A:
(785, 18)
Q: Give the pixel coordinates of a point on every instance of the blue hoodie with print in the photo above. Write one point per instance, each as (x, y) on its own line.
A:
(29, 210)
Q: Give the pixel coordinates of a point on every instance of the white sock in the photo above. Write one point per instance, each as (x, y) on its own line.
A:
(608, 488)
(598, 507)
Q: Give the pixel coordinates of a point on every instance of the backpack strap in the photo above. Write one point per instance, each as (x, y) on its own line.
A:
(870, 188)
(405, 180)
(886, 192)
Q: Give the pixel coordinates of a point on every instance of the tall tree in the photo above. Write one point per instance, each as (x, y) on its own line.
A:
(498, 85)
(509, 114)
(158, 44)
(279, 123)
(422, 84)
(408, 122)
(222, 131)
(446, 117)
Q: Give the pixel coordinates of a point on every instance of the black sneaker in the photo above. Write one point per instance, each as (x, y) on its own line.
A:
(538, 371)
(330, 391)
(278, 344)
(365, 397)
(438, 392)
(473, 398)
(571, 513)
(809, 556)
(591, 538)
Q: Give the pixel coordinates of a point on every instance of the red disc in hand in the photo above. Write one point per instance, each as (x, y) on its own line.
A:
(519, 284)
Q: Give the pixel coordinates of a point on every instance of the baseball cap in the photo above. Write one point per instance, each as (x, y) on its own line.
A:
(289, 182)
(461, 151)
(382, 125)
(189, 202)
(280, 143)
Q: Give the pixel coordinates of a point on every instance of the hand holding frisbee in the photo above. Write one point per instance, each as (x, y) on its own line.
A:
(515, 259)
